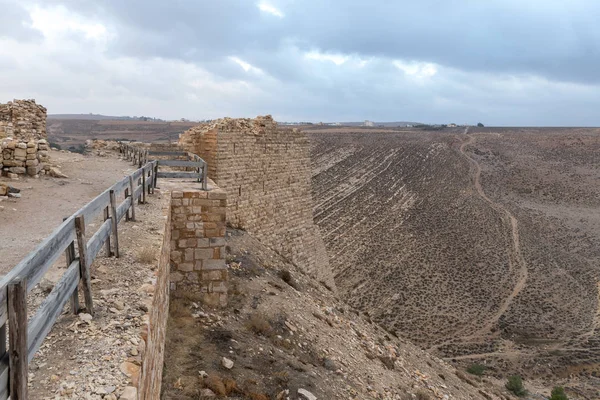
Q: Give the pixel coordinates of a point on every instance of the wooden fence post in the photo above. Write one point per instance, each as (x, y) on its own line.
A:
(106, 217)
(113, 217)
(131, 188)
(84, 268)
(150, 179)
(144, 186)
(70, 257)
(205, 176)
(127, 217)
(17, 326)
(155, 176)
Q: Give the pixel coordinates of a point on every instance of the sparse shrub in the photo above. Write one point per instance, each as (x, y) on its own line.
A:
(259, 324)
(479, 124)
(215, 383)
(55, 145)
(558, 393)
(476, 369)
(146, 255)
(515, 385)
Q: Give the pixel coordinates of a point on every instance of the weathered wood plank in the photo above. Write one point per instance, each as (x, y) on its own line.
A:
(120, 186)
(191, 175)
(138, 173)
(84, 267)
(97, 241)
(4, 377)
(179, 163)
(168, 153)
(17, 326)
(50, 309)
(95, 207)
(122, 209)
(34, 266)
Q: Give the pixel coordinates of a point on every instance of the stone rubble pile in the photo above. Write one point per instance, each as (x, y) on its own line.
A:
(23, 144)
(254, 126)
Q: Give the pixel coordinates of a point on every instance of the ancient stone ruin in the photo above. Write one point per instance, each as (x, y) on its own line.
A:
(265, 170)
(23, 139)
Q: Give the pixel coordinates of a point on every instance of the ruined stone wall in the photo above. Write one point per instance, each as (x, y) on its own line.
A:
(23, 145)
(265, 170)
(23, 120)
(198, 243)
(154, 331)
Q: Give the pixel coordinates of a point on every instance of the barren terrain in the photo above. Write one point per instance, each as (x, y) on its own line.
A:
(279, 348)
(44, 202)
(480, 245)
(72, 133)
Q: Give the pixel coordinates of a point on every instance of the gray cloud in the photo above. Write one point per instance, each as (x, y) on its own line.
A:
(501, 61)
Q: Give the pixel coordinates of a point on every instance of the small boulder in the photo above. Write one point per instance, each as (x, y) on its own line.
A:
(306, 395)
(130, 393)
(226, 363)
(207, 393)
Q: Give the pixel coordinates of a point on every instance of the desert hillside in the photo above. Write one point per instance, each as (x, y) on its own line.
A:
(478, 246)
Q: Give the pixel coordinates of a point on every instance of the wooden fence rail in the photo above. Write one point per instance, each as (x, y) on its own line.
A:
(198, 167)
(25, 336)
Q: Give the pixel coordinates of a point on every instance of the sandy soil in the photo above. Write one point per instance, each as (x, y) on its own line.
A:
(44, 202)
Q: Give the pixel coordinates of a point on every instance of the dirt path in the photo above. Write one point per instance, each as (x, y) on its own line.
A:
(516, 258)
(26, 221)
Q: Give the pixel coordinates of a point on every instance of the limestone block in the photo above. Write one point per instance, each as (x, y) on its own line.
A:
(20, 152)
(18, 170)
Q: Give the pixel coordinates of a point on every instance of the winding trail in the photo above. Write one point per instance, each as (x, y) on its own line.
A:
(516, 260)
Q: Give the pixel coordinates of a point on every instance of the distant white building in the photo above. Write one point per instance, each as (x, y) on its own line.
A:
(369, 123)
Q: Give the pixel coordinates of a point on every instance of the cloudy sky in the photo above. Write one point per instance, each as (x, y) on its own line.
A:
(501, 62)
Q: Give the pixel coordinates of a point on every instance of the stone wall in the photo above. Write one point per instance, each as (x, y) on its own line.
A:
(23, 145)
(265, 170)
(198, 243)
(155, 330)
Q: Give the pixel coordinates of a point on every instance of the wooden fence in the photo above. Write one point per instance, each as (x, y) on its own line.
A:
(170, 158)
(25, 337)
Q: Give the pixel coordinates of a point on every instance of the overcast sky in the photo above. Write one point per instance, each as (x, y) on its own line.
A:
(501, 62)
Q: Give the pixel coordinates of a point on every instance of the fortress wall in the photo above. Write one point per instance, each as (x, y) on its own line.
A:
(23, 145)
(198, 243)
(265, 170)
(154, 331)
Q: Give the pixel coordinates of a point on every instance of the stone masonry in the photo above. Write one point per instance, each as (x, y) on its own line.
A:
(265, 170)
(198, 243)
(23, 144)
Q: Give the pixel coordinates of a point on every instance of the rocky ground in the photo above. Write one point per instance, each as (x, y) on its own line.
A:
(284, 336)
(98, 358)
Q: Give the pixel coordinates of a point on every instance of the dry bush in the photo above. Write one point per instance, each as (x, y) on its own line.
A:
(259, 324)
(146, 255)
(215, 383)
(230, 386)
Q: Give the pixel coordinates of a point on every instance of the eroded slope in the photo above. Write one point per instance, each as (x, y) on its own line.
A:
(408, 236)
(482, 246)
